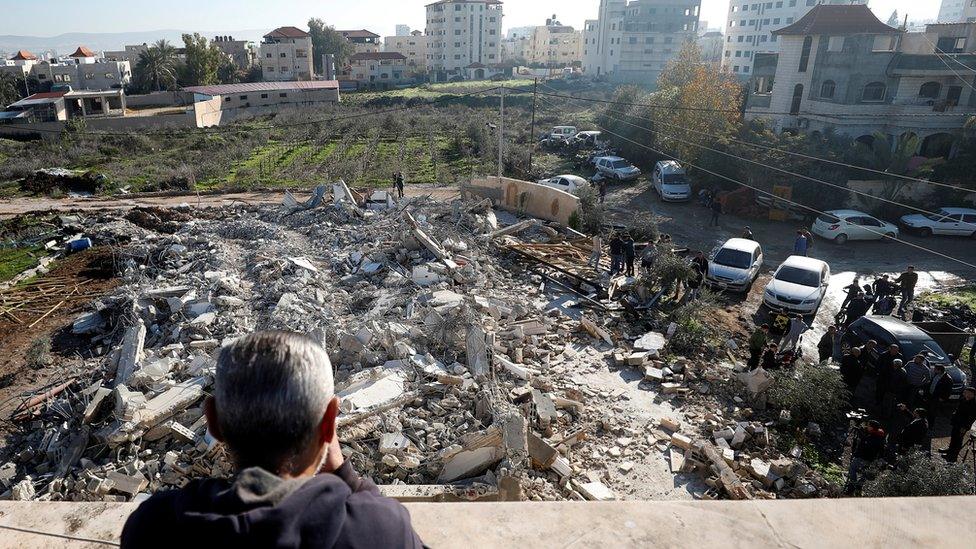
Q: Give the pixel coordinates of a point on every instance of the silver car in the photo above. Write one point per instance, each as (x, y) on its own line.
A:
(735, 266)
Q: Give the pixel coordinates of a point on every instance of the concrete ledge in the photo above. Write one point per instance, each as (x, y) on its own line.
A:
(860, 523)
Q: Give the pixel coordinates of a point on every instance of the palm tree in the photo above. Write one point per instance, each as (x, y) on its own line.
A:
(156, 68)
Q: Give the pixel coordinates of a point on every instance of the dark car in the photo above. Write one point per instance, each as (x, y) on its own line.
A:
(888, 330)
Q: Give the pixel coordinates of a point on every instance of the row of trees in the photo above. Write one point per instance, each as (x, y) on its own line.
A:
(160, 68)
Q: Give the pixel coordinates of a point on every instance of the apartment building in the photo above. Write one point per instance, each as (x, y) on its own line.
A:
(241, 52)
(841, 69)
(286, 55)
(378, 69)
(751, 25)
(362, 40)
(413, 47)
(957, 11)
(554, 45)
(631, 42)
(83, 70)
(461, 33)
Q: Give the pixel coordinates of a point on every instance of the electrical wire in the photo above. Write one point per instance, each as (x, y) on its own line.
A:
(777, 198)
(939, 53)
(796, 154)
(61, 536)
(781, 170)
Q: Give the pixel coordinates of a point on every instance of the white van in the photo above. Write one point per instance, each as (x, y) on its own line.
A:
(562, 132)
(670, 181)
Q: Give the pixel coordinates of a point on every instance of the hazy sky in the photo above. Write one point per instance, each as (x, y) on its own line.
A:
(51, 17)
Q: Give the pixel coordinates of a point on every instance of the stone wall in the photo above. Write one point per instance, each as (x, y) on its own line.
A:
(524, 197)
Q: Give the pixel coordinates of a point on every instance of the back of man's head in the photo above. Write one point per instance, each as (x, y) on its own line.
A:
(272, 391)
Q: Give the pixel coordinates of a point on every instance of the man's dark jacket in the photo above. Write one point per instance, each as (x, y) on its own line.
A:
(965, 414)
(260, 509)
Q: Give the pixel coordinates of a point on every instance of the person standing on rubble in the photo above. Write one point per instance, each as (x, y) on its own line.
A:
(630, 253)
(274, 408)
(962, 420)
(616, 255)
(602, 187)
(757, 343)
(791, 341)
(825, 347)
(596, 254)
(398, 182)
(907, 282)
(868, 447)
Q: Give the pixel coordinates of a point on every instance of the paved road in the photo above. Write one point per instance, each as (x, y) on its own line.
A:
(17, 206)
(688, 224)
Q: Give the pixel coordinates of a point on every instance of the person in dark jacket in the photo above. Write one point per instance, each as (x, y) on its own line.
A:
(857, 308)
(747, 234)
(916, 433)
(274, 408)
(962, 420)
(716, 208)
(616, 255)
(825, 348)
(884, 372)
(907, 282)
(853, 290)
(883, 287)
(868, 447)
(630, 254)
(769, 361)
(850, 369)
(937, 392)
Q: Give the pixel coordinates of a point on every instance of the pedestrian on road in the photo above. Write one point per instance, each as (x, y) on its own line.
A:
(596, 254)
(602, 186)
(962, 420)
(857, 308)
(800, 244)
(630, 253)
(883, 287)
(907, 282)
(938, 392)
(809, 236)
(616, 255)
(747, 234)
(792, 339)
(757, 343)
(919, 376)
(716, 211)
(853, 290)
(851, 370)
(825, 348)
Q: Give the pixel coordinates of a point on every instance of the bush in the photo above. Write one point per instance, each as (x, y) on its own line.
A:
(39, 353)
(643, 228)
(591, 215)
(918, 475)
(810, 393)
(694, 331)
(668, 270)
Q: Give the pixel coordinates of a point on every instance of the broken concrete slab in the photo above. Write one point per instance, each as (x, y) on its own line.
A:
(476, 351)
(131, 352)
(478, 454)
(595, 491)
(653, 342)
(369, 390)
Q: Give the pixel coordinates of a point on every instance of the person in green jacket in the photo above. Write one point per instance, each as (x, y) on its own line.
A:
(757, 342)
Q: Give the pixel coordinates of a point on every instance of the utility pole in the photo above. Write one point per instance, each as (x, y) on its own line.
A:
(501, 134)
(535, 91)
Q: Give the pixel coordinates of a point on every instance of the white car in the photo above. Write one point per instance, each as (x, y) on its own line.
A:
(614, 167)
(591, 139)
(843, 225)
(568, 183)
(947, 221)
(562, 132)
(798, 285)
(670, 181)
(735, 266)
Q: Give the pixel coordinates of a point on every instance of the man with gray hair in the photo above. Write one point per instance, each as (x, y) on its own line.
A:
(274, 407)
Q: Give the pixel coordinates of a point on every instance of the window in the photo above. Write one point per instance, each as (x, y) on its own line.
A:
(805, 54)
(741, 38)
(268, 55)
(282, 95)
(282, 55)
(952, 45)
(930, 90)
(270, 69)
(827, 89)
(797, 99)
(885, 42)
(735, 68)
(243, 98)
(227, 99)
(873, 92)
(835, 43)
(264, 96)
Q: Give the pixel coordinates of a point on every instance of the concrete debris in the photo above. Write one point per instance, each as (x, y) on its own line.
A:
(462, 375)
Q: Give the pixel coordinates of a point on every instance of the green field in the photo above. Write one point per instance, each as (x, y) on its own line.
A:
(14, 261)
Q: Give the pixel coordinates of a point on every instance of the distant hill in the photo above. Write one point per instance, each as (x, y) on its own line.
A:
(66, 43)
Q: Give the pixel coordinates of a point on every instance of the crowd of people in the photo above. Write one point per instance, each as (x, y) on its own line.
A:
(879, 297)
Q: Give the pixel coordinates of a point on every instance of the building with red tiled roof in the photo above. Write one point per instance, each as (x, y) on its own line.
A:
(286, 55)
(23, 55)
(82, 51)
(362, 40)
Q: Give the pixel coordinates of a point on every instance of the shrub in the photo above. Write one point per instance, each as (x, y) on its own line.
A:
(643, 228)
(810, 393)
(668, 270)
(918, 475)
(39, 353)
(694, 330)
(590, 217)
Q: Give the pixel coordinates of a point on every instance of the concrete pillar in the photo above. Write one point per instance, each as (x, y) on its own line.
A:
(122, 97)
(105, 106)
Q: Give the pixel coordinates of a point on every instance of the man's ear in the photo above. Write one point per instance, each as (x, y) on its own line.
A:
(210, 410)
(328, 426)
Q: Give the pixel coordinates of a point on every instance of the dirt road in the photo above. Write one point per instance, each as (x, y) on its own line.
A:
(17, 206)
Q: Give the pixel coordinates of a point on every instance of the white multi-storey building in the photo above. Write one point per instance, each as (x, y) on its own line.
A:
(413, 47)
(751, 24)
(631, 42)
(286, 55)
(957, 11)
(554, 45)
(461, 33)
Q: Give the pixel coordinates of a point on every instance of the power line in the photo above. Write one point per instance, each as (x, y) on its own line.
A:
(800, 155)
(939, 53)
(813, 210)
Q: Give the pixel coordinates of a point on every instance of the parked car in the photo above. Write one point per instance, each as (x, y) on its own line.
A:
(888, 330)
(614, 167)
(562, 133)
(568, 183)
(798, 285)
(946, 221)
(735, 266)
(843, 225)
(670, 181)
(588, 139)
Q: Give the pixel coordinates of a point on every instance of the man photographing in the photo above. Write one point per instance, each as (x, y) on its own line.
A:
(274, 407)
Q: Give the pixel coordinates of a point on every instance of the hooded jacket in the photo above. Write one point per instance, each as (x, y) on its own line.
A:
(260, 509)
